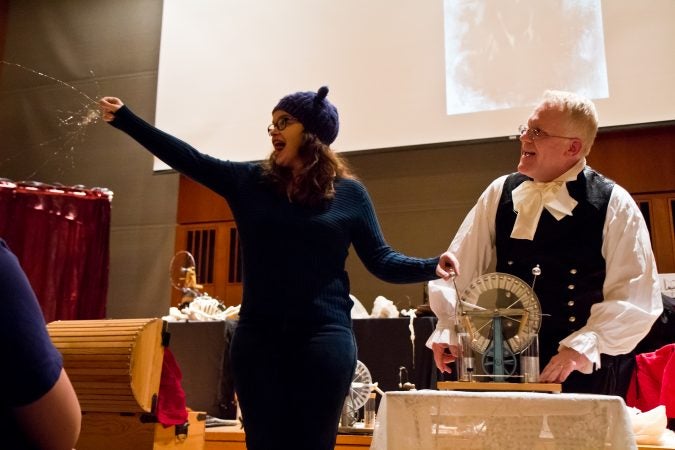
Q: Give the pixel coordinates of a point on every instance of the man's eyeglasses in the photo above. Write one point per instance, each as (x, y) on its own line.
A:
(281, 124)
(537, 134)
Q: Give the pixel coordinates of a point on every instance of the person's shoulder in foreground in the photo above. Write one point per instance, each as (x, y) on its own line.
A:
(40, 409)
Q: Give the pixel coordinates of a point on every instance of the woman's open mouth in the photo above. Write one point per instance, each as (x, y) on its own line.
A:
(278, 145)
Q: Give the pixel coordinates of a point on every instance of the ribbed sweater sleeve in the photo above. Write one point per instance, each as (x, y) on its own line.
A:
(378, 257)
(212, 172)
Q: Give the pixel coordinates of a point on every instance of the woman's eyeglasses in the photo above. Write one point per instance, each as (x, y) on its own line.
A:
(281, 124)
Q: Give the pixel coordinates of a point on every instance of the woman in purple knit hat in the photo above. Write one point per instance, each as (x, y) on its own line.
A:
(293, 353)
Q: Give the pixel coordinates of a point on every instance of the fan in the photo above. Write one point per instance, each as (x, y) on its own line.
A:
(183, 275)
(361, 387)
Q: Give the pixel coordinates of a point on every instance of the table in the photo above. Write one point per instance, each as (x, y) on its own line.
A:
(232, 438)
(201, 350)
(384, 345)
(429, 420)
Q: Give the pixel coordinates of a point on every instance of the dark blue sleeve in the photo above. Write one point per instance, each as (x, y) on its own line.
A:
(378, 257)
(32, 363)
(220, 176)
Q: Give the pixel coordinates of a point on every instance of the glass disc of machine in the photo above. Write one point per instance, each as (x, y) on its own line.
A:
(182, 272)
(509, 297)
(361, 385)
(359, 390)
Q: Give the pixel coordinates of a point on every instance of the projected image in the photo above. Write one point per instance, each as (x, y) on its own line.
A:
(502, 54)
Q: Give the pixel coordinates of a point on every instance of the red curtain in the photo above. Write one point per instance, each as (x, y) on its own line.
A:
(61, 236)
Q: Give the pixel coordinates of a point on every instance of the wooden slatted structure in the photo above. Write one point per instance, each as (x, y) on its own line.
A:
(115, 364)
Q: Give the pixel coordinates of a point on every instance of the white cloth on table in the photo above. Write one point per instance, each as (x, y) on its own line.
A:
(434, 420)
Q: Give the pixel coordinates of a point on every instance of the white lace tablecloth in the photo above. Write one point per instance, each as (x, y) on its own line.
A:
(434, 420)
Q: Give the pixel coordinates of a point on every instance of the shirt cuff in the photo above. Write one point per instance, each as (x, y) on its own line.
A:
(443, 334)
(585, 343)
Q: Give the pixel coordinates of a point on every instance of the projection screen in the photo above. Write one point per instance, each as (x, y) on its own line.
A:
(407, 73)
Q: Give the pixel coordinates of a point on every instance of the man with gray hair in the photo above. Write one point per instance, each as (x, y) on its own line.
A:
(598, 288)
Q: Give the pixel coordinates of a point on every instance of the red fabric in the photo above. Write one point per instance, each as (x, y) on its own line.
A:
(61, 237)
(171, 409)
(653, 381)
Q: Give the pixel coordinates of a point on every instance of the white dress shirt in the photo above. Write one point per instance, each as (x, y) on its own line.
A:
(632, 296)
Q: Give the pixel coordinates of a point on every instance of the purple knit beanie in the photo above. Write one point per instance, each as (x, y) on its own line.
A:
(316, 114)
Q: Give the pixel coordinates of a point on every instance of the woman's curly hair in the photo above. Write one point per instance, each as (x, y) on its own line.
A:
(314, 186)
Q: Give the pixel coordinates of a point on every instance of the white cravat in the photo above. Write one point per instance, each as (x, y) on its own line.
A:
(531, 197)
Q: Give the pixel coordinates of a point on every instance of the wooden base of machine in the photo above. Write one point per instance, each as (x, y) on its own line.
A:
(555, 388)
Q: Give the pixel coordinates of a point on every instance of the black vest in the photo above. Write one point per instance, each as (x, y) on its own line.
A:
(567, 251)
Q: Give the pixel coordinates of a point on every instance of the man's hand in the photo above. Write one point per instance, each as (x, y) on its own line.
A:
(444, 354)
(562, 365)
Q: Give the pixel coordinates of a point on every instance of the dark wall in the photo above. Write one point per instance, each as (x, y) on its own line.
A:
(100, 48)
